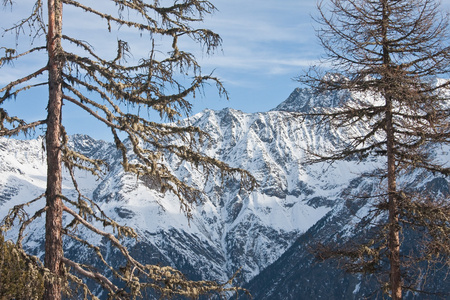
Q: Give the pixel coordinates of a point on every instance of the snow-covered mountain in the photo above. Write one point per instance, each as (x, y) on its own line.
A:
(231, 228)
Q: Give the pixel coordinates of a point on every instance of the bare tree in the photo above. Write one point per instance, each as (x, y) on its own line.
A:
(392, 51)
(102, 87)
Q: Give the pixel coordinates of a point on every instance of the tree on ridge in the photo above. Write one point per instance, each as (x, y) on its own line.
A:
(392, 51)
(102, 87)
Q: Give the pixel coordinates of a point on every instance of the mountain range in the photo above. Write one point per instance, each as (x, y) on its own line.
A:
(265, 233)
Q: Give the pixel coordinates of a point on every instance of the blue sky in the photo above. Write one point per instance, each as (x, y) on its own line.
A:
(266, 43)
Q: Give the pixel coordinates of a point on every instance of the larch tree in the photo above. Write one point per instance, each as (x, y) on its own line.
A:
(396, 52)
(75, 73)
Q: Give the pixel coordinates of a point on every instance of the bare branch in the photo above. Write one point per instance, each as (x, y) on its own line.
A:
(89, 274)
(11, 85)
(9, 54)
(22, 128)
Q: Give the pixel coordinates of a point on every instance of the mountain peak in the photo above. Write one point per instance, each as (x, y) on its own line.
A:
(304, 100)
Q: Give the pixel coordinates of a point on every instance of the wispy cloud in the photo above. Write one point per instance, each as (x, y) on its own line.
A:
(265, 44)
(270, 37)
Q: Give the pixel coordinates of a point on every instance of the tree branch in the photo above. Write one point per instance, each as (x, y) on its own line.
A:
(90, 274)
(12, 84)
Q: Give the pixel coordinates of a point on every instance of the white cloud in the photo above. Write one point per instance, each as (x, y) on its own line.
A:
(264, 41)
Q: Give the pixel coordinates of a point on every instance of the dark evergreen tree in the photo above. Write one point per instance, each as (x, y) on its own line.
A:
(19, 276)
(102, 87)
(394, 51)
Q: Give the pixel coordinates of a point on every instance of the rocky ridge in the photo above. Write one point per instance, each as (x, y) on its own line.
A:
(230, 229)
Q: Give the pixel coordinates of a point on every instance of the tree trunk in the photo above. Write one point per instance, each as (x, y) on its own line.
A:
(394, 234)
(53, 225)
(395, 278)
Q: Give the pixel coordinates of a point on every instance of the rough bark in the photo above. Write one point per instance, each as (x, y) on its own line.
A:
(53, 225)
(394, 234)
